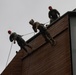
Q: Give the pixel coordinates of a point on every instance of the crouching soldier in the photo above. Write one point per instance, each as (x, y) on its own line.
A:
(20, 41)
(43, 31)
(53, 14)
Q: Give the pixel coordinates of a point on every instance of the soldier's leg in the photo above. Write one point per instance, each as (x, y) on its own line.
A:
(25, 44)
(50, 38)
(50, 21)
(28, 46)
(46, 39)
(24, 49)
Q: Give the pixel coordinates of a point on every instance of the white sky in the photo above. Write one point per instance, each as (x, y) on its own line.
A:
(15, 15)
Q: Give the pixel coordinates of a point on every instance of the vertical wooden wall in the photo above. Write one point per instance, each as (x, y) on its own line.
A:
(50, 60)
(46, 59)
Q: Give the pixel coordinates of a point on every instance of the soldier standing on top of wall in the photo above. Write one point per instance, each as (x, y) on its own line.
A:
(53, 14)
(16, 37)
(43, 31)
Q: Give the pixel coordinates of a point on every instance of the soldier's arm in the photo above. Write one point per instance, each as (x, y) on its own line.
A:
(15, 36)
(35, 27)
(37, 24)
(58, 13)
(35, 30)
(49, 15)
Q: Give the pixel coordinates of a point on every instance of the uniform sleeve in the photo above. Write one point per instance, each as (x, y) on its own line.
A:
(11, 38)
(57, 12)
(49, 14)
(34, 28)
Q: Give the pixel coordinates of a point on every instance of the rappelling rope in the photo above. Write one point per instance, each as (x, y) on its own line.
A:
(27, 33)
(9, 53)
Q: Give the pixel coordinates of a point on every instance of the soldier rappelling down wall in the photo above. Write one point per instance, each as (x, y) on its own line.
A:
(21, 42)
(43, 31)
(53, 14)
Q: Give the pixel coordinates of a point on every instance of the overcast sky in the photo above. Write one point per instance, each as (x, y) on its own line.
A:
(15, 15)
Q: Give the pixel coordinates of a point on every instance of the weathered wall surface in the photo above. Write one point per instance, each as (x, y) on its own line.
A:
(45, 59)
(50, 60)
